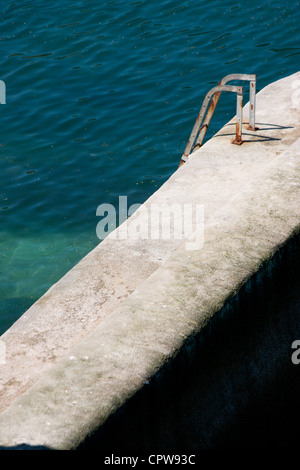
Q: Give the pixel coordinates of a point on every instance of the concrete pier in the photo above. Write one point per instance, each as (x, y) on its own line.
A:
(132, 308)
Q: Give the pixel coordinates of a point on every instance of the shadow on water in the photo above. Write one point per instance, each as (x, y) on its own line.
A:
(24, 447)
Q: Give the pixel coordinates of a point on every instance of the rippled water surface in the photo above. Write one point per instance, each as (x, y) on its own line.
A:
(101, 98)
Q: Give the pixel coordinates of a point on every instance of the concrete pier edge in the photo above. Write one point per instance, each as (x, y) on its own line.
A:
(110, 324)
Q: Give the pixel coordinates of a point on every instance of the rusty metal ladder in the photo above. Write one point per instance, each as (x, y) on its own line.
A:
(2, 92)
(206, 112)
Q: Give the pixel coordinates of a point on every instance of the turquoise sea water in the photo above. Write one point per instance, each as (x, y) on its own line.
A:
(101, 99)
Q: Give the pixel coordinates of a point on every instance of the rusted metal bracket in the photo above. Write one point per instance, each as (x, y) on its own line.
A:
(206, 112)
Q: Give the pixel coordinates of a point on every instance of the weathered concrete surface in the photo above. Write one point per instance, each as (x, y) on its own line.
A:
(101, 332)
(232, 386)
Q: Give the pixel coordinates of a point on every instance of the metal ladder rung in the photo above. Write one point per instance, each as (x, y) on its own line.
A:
(206, 112)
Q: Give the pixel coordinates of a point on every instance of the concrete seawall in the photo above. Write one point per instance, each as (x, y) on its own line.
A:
(231, 386)
(121, 320)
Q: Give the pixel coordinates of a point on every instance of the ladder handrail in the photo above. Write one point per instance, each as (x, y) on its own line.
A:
(252, 79)
(202, 124)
